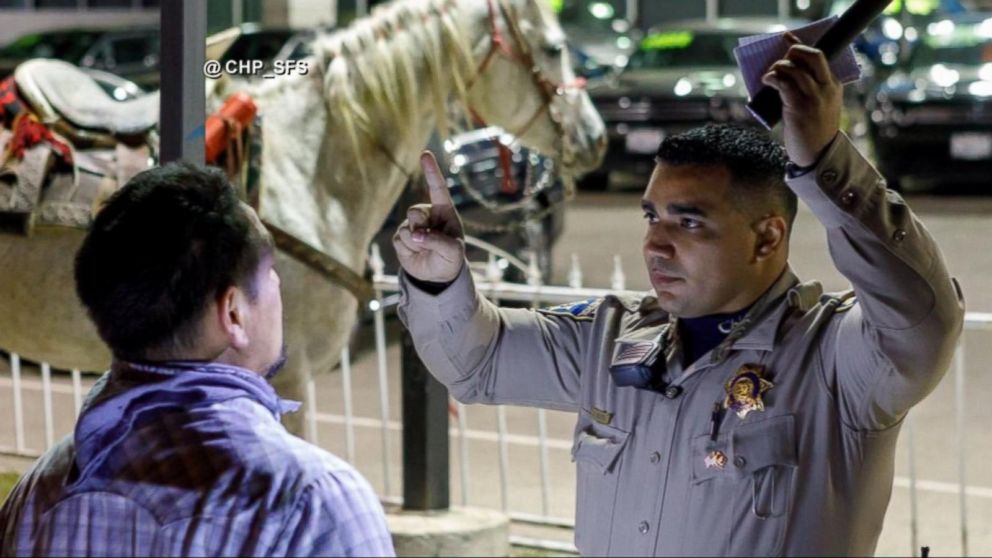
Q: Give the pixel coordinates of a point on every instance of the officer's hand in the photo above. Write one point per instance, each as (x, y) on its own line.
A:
(430, 244)
(811, 101)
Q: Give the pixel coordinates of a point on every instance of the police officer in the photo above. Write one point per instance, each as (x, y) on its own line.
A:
(737, 410)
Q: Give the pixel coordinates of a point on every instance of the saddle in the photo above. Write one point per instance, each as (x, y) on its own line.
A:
(66, 145)
(58, 90)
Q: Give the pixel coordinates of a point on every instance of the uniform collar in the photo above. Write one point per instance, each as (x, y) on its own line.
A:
(786, 294)
(759, 328)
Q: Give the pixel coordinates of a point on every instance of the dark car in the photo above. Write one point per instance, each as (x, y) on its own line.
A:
(131, 53)
(251, 41)
(681, 76)
(931, 121)
(523, 217)
(599, 29)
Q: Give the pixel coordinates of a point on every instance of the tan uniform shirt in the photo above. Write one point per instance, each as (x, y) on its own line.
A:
(812, 472)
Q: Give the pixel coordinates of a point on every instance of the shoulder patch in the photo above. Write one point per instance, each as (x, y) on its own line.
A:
(581, 310)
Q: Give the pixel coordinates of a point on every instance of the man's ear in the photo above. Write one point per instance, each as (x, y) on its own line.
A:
(771, 233)
(232, 313)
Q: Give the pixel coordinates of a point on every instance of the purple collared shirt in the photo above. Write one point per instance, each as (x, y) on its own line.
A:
(189, 459)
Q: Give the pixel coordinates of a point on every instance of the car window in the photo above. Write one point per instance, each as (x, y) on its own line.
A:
(264, 45)
(966, 45)
(680, 49)
(132, 50)
(302, 49)
(69, 46)
(593, 15)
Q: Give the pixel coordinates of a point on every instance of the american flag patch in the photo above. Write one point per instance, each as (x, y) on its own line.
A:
(633, 352)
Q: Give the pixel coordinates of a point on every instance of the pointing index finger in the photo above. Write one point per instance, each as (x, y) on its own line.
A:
(437, 187)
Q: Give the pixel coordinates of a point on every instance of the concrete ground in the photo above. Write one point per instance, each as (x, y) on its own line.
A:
(599, 226)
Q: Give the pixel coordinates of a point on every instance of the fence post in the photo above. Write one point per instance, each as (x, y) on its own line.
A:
(425, 435)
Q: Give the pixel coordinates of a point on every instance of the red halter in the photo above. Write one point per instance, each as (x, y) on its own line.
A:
(548, 88)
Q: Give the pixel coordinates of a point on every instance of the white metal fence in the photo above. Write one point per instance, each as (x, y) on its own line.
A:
(342, 417)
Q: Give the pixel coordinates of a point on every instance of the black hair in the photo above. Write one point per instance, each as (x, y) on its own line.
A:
(756, 163)
(164, 246)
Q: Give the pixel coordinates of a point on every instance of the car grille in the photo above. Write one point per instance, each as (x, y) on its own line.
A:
(645, 110)
(950, 113)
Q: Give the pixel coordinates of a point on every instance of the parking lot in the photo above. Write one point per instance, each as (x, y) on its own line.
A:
(925, 117)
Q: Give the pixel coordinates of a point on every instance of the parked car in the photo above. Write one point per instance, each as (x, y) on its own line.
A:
(527, 218)
(603, 35)
(681, 76)
(251, 41)
(131, 53)
(932, 120)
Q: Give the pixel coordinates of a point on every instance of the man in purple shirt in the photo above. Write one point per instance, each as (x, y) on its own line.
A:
(179, 450)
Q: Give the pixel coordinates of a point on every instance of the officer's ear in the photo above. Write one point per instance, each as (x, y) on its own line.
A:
(771, 234)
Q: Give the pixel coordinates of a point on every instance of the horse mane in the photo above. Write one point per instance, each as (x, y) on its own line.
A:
(373, 64)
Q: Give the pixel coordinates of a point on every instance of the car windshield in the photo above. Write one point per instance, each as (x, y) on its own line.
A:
(683, 49)
(262, 45)
(69, 46)
(589, 14)
(968, 46)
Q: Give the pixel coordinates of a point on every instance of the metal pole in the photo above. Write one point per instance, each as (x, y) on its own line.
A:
(959, 392)
(712, 10)
(380, 351)
(77, 390)
(349, 426)
(46, 399)
(425, 435)
(15, 384)
(913, 510)
(542, 449)
(183, 103)
(311, 412)
(237, 12)
(496, 276)
(463, 451)
(504, 459)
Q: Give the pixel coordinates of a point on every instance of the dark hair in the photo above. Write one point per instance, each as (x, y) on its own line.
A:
(756, 163)
(168, 242)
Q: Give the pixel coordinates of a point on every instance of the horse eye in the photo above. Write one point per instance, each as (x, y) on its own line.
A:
(553, 50)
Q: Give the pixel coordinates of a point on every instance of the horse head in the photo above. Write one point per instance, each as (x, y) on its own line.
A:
(525, 84)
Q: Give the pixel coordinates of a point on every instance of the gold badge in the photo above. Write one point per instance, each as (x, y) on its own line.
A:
(745, 388)
(716, 460)
(601, 416)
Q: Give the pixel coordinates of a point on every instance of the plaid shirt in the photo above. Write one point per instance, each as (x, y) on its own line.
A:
(189, 460)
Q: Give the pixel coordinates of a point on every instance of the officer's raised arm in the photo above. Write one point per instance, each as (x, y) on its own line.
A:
(897, 338)
(482, 353)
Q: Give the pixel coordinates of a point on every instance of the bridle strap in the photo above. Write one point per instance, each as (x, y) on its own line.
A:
(523, 55)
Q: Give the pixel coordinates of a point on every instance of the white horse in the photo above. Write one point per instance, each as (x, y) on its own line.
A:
(339, 145)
